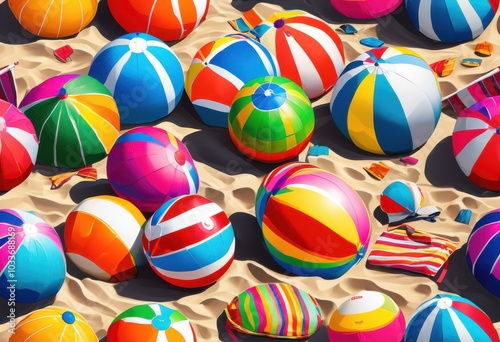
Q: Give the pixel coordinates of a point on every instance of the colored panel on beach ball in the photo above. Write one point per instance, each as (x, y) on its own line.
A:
(365, 9)
(271, 119)
(54, 19)
(379, 76)
(148, 166)
(53, 324)
(276, 310)
(18, 146)
(102, 236)
(30, 249)
(189, 241)
(483, 251)
(313, 223)
(222, 67)
(475, 139)
(143, 74)
(401, 199)
(151, 322)
(451, 21)
(169, 20)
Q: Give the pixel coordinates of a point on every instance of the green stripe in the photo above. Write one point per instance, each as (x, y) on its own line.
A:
(85, 85)
(142, 311)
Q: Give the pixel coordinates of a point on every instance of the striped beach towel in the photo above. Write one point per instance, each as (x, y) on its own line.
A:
(410, 249)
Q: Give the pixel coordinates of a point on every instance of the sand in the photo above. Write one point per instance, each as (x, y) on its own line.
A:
(231, 180)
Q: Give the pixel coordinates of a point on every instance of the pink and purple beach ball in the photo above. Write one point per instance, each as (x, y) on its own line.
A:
(149, 166)
(365, 9)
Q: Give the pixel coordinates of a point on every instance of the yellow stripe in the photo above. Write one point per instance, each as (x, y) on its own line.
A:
(406, 51)
(248, 311)
(222, 41)
(173, 140)
(244, 114)
(362, 321)
(285, 15)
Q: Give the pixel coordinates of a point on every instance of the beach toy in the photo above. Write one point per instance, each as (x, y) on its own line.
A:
(189, 241)
(54, 19)
(313, 223)
(168, 20)
(483, 251)
(143, 74)
(75, 118)
(148, 166)
(102, 236)
(53, 324)
(18, 146)
(449, 317)
(277, 310)
(219, 69)
(367, 316)
(404, 199)
(380, 76)
(29, 250)
(475, 140)
(271, 119)
(451, 21)
(365, 9)
(150, 322)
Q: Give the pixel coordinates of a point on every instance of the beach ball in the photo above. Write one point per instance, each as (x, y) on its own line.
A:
(151, 322)
(53, 324)
(75, 117)
(102, 236)
(475, 138)
(483, 251)
(18, 146)
(365, 9)
(54, 19)
(143, 74)
(380, 76)
(168, 20)
(222, 67)
(451, 21)
(313, 223)
(308, 50)
(367, 316)
(29, 250)
(148, 166)
(448, 317)
(271, 119)
(189, 241)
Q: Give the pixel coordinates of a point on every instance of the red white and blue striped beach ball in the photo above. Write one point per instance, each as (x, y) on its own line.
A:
(189, 241)
(451, 21)
(143, 74)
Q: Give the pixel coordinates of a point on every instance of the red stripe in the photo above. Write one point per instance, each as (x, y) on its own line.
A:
(184, 204)
(388, 205)
(288, 67)
(478, 316)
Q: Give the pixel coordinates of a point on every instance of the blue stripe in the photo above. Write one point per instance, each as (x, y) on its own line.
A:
(138, 136)
(283, 314)
(491, 217)
(10, 218)
(401, 194)
(442, 330)
(212, 117)
(412, 10)
(160, 212)
(484, 11)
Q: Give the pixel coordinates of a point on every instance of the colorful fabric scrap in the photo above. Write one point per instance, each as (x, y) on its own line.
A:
(409, 160)
(86, 172)
(443, 67)
(464, 216)
(348, 29)
(471, 62)
(318, 150)
(63, 53)
(8, 89)
(377, 170)
(372, 42)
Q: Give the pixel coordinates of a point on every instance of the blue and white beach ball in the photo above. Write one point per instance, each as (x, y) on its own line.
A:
(143, 74)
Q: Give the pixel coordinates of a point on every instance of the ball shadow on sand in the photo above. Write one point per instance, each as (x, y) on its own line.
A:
(85, 189)
(11, 32)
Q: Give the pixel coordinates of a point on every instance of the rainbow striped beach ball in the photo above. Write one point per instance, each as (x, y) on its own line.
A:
(151, 322)
(313, 223)
(483, 251)
(271, 119)
(102, 236)
(380, 76)
(189, 241)
(222, 67)
(143, 74)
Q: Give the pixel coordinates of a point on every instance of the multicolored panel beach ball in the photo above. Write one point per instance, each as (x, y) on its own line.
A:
(53, 324)
(29, 250)
(394, 75)
(308, 50)
(483, 251)
(475, 138)
(367, 316)
(148, 166)
(18, 146)
(313, 223)
(401, 199)
(143, 74)
(271, 119)
(75, 117)
(277, 310)
(189, 241)
(102, 236)
(151, 322)
(449, 317)
(222, 67)
(365, 9)
(168, 20)
(451, 21)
